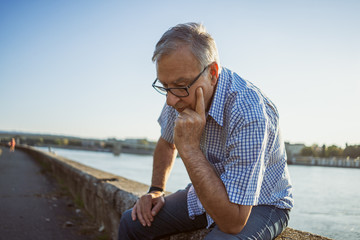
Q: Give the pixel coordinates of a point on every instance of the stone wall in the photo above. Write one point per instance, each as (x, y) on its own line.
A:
(105, 196)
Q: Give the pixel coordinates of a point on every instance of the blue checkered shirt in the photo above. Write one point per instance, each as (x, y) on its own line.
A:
(242, 141)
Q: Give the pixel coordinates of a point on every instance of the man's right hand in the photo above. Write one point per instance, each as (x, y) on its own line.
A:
(147, 206)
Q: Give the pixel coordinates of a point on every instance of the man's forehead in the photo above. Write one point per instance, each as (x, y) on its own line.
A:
(174, 80)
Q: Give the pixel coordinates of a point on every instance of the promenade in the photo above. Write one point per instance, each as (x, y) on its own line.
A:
(33, 206)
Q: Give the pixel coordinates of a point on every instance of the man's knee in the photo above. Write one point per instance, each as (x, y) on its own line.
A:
(126, 218)
(127, 225)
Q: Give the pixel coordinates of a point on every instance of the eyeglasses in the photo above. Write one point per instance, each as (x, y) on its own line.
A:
(177, 91)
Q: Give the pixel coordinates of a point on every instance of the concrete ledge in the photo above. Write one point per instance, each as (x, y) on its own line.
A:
(105, 196)
(288, 234)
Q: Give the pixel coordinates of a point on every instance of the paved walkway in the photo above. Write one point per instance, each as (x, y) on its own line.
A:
(31, 204)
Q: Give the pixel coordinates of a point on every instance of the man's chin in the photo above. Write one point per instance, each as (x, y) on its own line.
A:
(180, 109)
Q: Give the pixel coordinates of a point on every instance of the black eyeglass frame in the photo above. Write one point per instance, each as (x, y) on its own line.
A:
(164, 91)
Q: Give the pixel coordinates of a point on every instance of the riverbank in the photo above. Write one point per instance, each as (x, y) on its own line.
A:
(325, 162)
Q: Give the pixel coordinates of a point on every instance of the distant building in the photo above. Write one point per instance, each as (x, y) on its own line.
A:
(139, 146)
(92, 143)
(293, 150)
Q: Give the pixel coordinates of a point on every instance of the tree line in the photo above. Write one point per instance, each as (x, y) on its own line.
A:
(352, 151)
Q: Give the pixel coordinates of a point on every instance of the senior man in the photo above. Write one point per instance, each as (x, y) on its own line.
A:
(227, 134)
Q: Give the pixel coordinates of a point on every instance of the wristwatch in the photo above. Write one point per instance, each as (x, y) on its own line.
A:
(152, 188)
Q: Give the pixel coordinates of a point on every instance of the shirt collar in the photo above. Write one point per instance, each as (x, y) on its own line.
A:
(218, 104)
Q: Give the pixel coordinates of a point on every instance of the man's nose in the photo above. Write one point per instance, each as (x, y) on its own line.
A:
(171, 99)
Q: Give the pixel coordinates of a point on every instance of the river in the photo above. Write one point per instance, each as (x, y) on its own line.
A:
(326, 199)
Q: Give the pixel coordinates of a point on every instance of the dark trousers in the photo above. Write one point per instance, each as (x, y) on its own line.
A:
(265, 222)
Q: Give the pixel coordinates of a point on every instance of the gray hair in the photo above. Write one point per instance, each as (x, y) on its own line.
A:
(194, 35)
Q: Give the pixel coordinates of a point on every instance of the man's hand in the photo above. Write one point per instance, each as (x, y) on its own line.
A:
(189, 126)
(147, 207)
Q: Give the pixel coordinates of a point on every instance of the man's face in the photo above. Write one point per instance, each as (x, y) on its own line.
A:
(179, 69)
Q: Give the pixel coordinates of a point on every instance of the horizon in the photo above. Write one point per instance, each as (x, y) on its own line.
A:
(152, 140)
(84, 68)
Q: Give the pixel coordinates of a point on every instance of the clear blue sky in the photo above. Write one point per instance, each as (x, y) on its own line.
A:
(83, 68)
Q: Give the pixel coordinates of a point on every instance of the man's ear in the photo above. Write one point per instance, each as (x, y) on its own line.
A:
(214, 71)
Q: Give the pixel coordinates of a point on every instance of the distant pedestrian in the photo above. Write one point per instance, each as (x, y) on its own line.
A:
(12, 144)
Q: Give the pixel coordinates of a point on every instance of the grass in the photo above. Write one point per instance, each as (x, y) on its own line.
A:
(79, 202)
